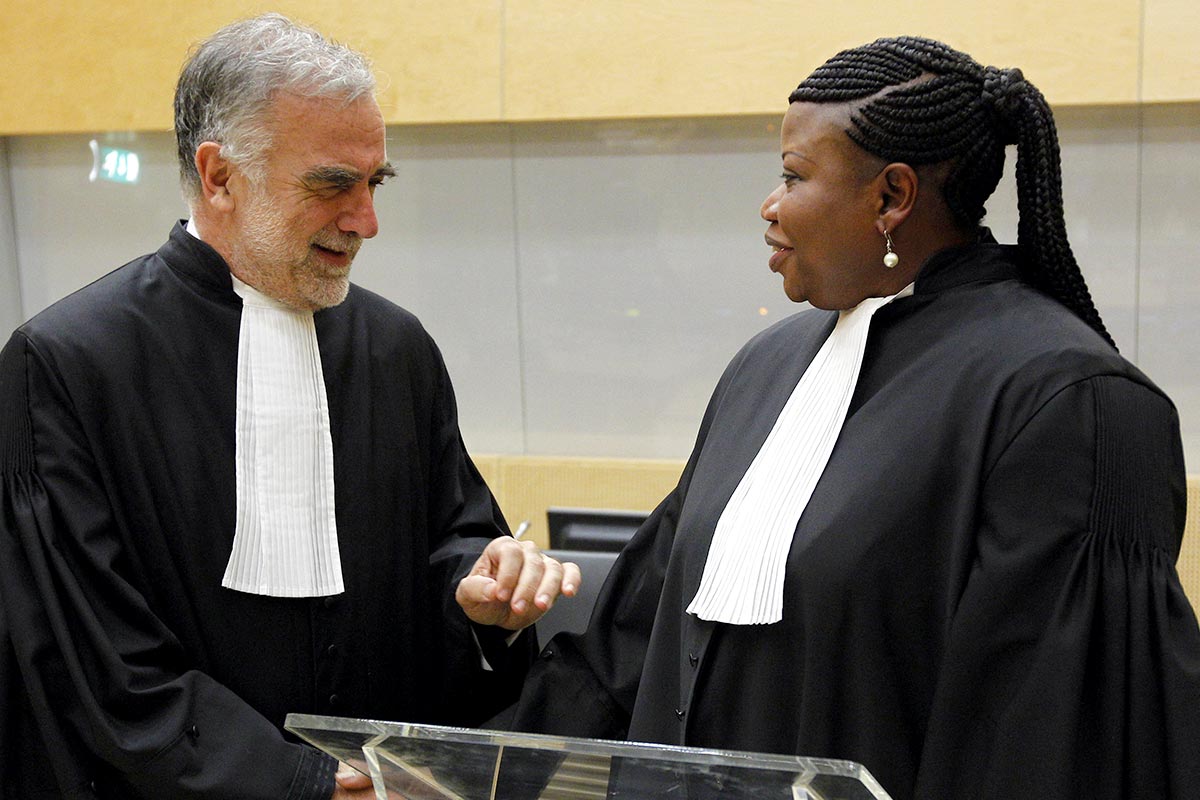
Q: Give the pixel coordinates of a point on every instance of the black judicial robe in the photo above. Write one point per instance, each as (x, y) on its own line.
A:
(981, 598)
(126, 670)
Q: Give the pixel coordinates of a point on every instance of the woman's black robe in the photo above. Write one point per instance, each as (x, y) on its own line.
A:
(981, 599)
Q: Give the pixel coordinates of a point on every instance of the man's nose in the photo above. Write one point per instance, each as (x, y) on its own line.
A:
(359, 215)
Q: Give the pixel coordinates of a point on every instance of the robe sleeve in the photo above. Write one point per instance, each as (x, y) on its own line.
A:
(466, 517)
(105, 685)
(1072, 666)
(585, 684)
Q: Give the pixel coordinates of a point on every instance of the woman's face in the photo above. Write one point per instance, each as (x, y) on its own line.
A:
(823, 216)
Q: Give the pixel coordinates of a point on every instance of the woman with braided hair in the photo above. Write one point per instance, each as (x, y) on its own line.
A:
(929, 525)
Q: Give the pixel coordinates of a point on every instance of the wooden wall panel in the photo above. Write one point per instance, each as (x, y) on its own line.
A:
(529, 485)
(489, 468)
(582, 59)
(1189, 558)
(80, 67)
(1171, 68)
(94, 66)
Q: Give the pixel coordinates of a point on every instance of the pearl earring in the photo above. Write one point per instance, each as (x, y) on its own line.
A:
(890, 259)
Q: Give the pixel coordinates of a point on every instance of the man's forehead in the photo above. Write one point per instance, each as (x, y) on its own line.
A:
(330, 134)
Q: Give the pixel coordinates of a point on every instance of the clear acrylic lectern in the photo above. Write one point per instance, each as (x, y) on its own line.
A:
(428, 762)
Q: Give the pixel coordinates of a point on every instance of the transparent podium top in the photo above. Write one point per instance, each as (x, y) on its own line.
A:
(428, 762)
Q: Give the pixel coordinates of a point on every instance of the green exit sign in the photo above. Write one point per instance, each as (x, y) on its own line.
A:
(113, 164)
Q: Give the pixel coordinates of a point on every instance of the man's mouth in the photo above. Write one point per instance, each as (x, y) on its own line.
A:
(345, 250)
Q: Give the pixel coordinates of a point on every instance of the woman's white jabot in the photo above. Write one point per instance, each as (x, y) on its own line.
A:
(744, 574)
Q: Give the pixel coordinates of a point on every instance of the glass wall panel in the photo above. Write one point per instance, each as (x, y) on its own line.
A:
(588, 282)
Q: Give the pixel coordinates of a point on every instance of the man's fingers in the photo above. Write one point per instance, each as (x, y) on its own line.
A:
(348, 777)
(533, 567)
(508, 558)
(550, 585)
(476, 590)
(514, 583)
(572, 578)
(476, 596)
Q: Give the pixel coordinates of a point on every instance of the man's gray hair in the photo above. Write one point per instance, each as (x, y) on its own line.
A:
(230, 80)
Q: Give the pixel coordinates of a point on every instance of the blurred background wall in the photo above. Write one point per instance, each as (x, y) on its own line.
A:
(575, 217)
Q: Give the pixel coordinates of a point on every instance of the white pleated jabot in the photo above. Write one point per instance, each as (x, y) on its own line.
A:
(744, 574)
(285, 540)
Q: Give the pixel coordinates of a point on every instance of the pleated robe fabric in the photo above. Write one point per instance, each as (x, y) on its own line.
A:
(126, 670)
(981, 599)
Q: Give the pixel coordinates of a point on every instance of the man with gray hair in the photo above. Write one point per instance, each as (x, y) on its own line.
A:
(233, 484)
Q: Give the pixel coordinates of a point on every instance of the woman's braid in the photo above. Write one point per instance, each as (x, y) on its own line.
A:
(927, 103)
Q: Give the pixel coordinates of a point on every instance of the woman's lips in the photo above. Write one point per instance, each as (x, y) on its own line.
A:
(778, 256)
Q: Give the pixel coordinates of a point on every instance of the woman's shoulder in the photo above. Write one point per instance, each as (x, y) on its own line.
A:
(780, 352)
(1020, 338)
(806, 325)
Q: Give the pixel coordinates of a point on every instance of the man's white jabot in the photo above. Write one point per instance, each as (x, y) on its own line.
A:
(744, 575)
(285, 543)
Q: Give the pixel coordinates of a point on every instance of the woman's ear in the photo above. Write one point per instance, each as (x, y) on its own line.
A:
(897, 186)
(215, 174)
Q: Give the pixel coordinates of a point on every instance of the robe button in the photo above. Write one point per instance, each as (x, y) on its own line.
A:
(194, 733)
(330, 601)
(693, 659)
(547, 654)
(334, 701)
(332, 650)
(679, 712)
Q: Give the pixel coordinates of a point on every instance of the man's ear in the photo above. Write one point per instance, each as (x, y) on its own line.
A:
(897, 187)
(216, 173)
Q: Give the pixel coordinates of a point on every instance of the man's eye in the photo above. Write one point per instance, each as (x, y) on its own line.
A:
(789, 178)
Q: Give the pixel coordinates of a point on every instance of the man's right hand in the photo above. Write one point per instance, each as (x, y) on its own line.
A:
(350, 784)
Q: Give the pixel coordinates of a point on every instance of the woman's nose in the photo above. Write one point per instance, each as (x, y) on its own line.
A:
(771, 205)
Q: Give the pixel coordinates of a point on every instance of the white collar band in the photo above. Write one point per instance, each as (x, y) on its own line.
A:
(744, 574)
(285, 540)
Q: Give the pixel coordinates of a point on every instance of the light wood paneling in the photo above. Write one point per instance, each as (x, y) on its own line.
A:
(582, 59)
(94, 66)
(529, 485)
(80, 67)
(1188, 565)
(1171, 69)
(489, 468)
